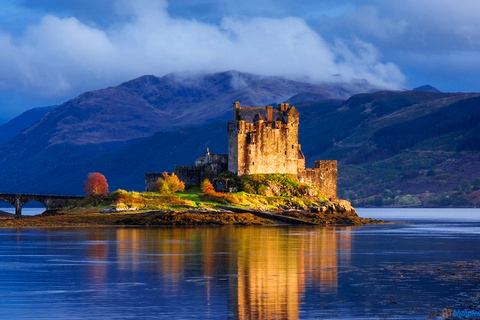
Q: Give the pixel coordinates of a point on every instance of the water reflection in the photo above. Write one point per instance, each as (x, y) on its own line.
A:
(97, 253)
(379, 271)
(267, 269)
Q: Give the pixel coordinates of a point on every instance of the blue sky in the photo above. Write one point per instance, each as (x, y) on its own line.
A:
(53, 50)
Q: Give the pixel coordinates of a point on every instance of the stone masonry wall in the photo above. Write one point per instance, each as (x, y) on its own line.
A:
(190, 175)
(194, 175)
(323, 176)
(263, 147)
(150, 179)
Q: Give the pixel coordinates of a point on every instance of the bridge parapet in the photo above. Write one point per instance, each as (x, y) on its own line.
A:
(18, 200)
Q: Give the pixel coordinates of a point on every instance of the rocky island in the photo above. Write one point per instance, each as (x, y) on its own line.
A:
(201, 206)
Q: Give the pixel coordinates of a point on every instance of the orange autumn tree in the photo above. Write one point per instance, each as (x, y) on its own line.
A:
(207, 187)
(168, 184)
(95, 186)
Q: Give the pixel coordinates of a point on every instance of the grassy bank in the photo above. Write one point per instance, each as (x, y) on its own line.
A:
(192, 207)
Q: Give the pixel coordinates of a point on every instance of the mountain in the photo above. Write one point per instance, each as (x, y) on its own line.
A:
(102, 121)
(143, 106)
(426, 87)
(13, 127)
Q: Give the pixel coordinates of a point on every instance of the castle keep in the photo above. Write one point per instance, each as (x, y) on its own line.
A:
(265, 140)
(261, 141)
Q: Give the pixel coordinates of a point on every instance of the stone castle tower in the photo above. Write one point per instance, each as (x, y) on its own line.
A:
(265, 140)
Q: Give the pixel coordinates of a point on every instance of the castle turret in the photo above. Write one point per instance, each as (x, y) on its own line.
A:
(283, 107)
(236, 106)
(269, 114)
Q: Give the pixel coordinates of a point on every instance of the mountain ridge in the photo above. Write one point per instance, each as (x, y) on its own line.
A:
(15, 126)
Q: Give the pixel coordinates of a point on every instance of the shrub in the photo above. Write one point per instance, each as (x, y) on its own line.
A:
(278, 184)
(168, 184)
(207, 187)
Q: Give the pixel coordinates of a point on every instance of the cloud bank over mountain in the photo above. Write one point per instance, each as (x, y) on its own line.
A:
(53, 50)
(60, 56)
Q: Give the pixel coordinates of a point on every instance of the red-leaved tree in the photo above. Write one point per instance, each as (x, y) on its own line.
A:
(96, 186)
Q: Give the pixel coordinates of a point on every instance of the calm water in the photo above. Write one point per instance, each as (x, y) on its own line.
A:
(407, 270)
(25, 211)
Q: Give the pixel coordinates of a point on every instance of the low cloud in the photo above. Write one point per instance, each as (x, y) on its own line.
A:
(63, 56)
(436, 41)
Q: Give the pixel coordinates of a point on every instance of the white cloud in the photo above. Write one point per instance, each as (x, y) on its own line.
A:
(434, 41)
(61, 56)
(361, 60)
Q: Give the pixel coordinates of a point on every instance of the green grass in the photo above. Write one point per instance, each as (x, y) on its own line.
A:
(193, 198)
(193, 194)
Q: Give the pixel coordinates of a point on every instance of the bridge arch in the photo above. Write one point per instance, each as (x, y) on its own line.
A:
(18, 200)
(32, 205)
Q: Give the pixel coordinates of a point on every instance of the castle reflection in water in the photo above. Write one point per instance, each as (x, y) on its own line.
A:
(262, 272)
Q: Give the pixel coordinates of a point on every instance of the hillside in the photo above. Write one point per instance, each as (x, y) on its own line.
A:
(394, 144)
(13, 127)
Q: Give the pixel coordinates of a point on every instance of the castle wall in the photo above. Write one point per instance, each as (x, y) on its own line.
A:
(194, 175)
(211, 159)
(264, 147)
(232, 131)
(323, 176)
(301, 164)
(191, 175)
(150, 179)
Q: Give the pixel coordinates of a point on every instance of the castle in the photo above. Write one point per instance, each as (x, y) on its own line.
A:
(260, 141)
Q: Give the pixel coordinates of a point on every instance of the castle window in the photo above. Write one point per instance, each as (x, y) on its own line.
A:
(267, 136)
(253, 163)
(285, 152)
(292, 146)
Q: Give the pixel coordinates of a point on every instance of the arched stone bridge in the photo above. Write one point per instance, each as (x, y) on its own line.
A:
(18, 200)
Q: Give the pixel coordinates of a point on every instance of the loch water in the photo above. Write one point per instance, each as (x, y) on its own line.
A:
(424, 263)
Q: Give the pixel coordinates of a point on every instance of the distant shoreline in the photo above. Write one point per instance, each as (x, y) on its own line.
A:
(6, 214)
